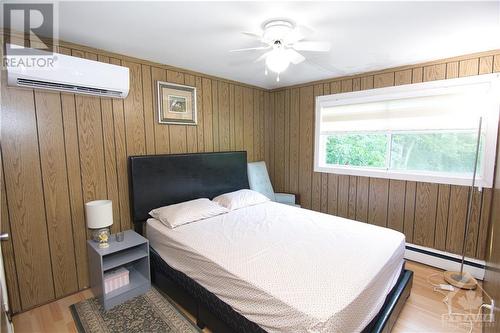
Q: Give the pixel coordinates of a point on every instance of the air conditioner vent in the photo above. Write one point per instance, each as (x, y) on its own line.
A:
(71, 74)
(67, 87)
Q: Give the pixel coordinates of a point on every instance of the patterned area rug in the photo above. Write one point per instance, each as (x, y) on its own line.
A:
(151, 312)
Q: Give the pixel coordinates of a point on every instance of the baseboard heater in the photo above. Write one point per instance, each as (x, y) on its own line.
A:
(444, 260)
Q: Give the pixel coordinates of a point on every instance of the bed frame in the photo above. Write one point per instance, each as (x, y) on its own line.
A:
(160, 180)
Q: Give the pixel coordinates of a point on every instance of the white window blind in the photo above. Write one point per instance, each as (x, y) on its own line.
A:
(445, 113)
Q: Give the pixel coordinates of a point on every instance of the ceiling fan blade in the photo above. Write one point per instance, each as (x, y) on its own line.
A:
(298, 33)
(251, 49)
(262, 57)
(294, 56)
(253, 34)
(312, 46)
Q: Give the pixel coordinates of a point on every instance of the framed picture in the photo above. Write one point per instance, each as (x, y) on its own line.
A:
(176, 104)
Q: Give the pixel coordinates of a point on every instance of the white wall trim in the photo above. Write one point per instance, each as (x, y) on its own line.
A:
(402, 175)
(443, 263)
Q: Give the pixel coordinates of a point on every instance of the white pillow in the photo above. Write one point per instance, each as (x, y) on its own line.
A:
(185, 212)
(240, 199)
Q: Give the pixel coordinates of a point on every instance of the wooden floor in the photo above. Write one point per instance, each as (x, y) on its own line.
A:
(422, 313)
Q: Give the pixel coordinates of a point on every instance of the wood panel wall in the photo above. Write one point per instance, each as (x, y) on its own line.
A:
(492, 276)
(430, 215)
(61, 150)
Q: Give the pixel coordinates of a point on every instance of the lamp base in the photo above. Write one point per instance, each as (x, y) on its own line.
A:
(97, 234)
(103, 245)
(460, 280)
(101, 236)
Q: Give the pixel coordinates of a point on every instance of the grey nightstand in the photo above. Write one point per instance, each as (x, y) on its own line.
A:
(133, 254)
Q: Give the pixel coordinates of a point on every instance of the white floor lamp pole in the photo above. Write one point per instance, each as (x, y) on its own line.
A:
(460, 279)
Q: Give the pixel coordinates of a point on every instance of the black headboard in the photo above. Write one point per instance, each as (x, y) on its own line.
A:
(160, 180)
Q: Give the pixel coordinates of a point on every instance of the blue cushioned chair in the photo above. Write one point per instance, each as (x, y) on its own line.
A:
(259, 181)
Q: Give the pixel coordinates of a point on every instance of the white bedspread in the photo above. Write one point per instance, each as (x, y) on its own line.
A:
(285, 268)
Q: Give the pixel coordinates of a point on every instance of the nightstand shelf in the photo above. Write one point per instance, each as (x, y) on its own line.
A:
(123, 257)
(132, 254)
(138, 285)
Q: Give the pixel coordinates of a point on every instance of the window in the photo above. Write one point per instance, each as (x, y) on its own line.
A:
(422, 132)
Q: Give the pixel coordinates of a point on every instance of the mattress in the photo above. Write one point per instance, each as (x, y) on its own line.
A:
(285, 268)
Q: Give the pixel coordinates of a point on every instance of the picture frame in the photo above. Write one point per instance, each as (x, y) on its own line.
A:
(176, 104)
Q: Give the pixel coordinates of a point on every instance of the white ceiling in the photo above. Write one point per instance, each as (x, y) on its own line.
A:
(365, 36)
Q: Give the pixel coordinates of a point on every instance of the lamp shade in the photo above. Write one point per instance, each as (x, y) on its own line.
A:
(99, 214)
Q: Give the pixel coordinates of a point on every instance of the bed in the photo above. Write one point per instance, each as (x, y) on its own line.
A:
(268, 267)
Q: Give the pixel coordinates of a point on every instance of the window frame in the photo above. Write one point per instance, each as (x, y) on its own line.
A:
(490, 129)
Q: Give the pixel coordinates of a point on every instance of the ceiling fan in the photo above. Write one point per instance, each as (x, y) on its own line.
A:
(283, 38)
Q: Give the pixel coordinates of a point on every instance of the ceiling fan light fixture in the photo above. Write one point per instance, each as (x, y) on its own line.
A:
(283, 38)
(277, 61)
(276, 29)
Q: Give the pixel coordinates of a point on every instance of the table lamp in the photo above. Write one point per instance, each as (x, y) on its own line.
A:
(99, 216)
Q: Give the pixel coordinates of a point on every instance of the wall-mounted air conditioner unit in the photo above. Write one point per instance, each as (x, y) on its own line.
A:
(66, 73)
